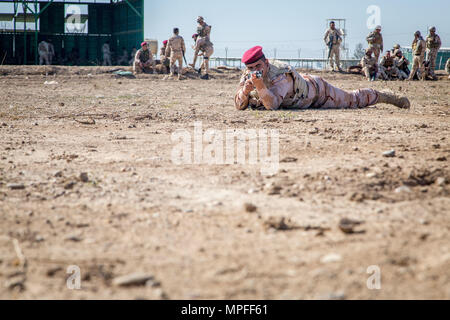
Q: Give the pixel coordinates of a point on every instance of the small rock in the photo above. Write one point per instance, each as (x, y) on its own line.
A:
(61, 104)
(134, 279)
(74, 238)
(16, 186)
(59, 174)
(441, 159)
(249, 207)
(69, 186)
(441, 181)
(53, 271)
(84, 177)
(371, 175)
(133, 104)
(274, 190)
(402, 189)
(332, 257)
(39, 239)
(389, 154)
(347, 226)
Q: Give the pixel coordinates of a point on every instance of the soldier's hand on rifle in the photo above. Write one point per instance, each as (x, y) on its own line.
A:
(248, 87)
(257, 82)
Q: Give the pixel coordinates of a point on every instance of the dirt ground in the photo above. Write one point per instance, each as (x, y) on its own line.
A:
(107, 198)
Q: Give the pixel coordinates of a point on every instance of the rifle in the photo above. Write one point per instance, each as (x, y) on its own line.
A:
(330, 46)
(184, 57)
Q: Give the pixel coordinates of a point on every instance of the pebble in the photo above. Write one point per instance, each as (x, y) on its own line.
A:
(389, 154)
(134, 279)
(84, 177)
(249, 207)
(69, 186)
(16, 186)
(402, 189)
(74, 238)
(441, 181)
(332, 257)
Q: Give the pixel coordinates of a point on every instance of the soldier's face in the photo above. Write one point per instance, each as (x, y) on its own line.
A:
(378, 30)
(332, 25)
(144, 47)
(260, 65)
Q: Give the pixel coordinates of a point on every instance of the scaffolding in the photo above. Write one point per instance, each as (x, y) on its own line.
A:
(119, 22)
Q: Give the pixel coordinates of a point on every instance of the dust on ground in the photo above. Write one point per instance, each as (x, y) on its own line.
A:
(87, 180)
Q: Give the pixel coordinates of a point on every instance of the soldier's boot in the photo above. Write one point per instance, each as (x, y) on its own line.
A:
(389, 98)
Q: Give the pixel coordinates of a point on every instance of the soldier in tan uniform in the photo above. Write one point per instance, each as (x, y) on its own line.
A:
(274, 85)
(402, 65)
(447, 67)
(206, 50)
(164, 66)
(369, 66)
(388, 68)
(418, 50)
(203, 36)
(433, 45)
(333, 40)
(375, 41)
(175, 50)
(396, 47)
(143, 61)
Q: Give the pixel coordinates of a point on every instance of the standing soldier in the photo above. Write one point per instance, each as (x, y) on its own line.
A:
(106, 54)
(418, 50)
(369, 66)
(274, 85)
(375, 41)
(402, 64)
(43, 53)
(143, 62)
(51, 51)
(206, 50)
(447, 67)
(333, 39)
(175, 50)
(203, 32)
(133, 55)
(433, 45)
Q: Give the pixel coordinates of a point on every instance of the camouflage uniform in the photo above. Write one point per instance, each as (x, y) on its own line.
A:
(418, 48)
(291, 89)
(369, 67)
(165, 61)
(175, 49)
(402, 64)
(207, 49)
(388, 68)
(375, 41)
(447, 67)
(335, 37)
(144, 57)
(433, 46)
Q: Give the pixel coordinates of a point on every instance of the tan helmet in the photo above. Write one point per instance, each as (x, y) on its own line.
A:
(433, 29)
(397, 46)
(397, 51)
(378, 27)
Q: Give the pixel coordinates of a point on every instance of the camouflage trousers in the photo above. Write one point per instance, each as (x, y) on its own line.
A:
(418, 65)
(174, 57)
(386, 74)
(369, 72)
(376, 51)
(431, 56)
(145, 67)
(335, 57)
(321, 94)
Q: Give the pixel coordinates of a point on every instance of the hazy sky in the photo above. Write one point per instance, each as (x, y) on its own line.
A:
(292, 25)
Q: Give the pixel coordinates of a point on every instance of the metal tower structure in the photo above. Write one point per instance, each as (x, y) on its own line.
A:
(121, 21)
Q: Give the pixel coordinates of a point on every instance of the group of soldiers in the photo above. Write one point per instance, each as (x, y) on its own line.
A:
(173, 52)
(393, 64)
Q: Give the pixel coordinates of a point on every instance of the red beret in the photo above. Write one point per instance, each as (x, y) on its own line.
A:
(194, 35)
(252, 55)
(143, 44)
(165, 42)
